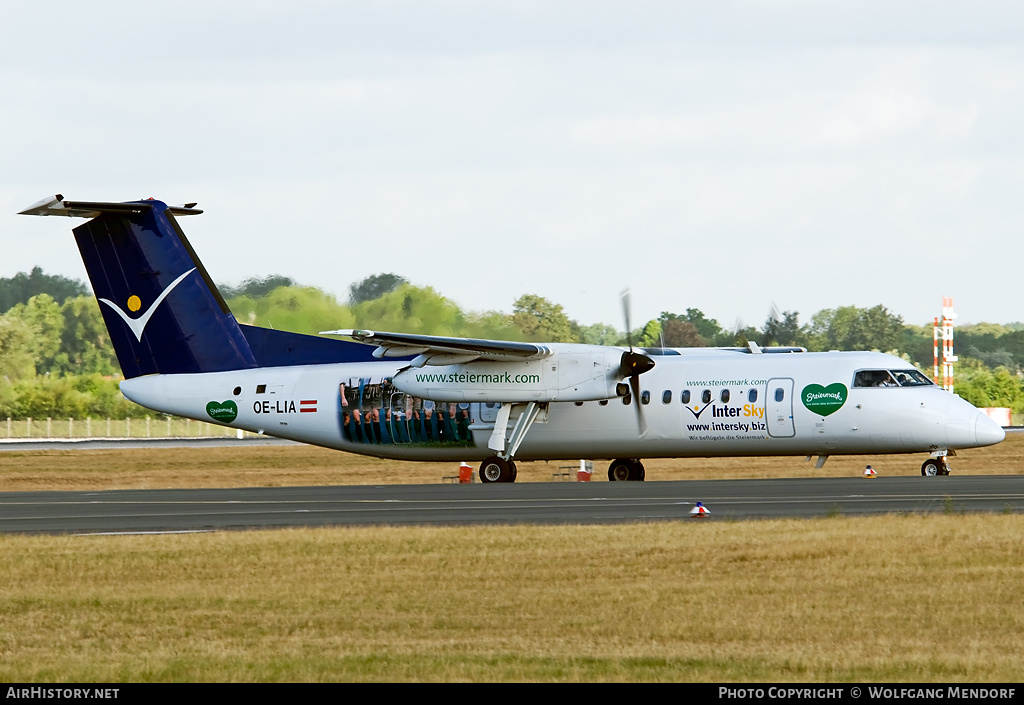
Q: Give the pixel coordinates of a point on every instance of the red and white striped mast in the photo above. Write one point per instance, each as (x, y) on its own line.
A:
(945, 334)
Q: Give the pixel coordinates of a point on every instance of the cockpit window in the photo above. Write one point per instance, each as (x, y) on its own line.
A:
(911, 378)
(890, 378)
(874, 378)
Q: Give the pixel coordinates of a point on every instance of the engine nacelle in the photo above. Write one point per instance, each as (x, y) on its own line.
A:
(580, 374)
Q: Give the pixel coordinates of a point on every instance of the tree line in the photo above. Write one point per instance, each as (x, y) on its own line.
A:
(56, 359)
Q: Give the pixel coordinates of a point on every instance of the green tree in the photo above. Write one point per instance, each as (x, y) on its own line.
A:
(600, 334)
(22, 287)
(255, 287)
(541, 320)
(649, 336)
(705, 331)
(42, 314)
(852, 328)
(374, 287)
(918, 342)
(983, 387)
(411, 309)
(299, 309)
(16, 360)
(85, 344)
(680, 333)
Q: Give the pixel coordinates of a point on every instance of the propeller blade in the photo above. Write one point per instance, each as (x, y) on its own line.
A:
(633, 364)
(625, 316)
(634, 384)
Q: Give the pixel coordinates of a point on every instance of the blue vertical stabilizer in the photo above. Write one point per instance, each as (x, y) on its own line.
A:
(163, 311)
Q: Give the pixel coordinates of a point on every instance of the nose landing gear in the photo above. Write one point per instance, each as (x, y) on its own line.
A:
(935, 466)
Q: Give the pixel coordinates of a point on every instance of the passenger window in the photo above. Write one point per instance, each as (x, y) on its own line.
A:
(752, 396)
(579, 403)
(666, 397)
(645, 397)
(725, 396)
(603, 402)
(627, 399)
(685, 396)
(706, 396)
(780, 394)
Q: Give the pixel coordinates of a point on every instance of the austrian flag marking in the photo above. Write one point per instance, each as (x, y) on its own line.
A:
(307, 406)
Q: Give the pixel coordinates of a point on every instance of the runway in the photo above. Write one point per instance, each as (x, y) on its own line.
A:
(142, 511)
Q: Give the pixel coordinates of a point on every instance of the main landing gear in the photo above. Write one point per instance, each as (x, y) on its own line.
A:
(501, 467)
(496, 469)
(626, 470)
(935, 466)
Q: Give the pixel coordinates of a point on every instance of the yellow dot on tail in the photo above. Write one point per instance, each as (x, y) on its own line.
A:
(134, 303)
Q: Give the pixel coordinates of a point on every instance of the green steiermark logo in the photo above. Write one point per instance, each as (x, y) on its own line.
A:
(824, 400)
(223, 411)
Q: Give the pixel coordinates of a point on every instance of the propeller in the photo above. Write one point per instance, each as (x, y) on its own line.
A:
(634, 364)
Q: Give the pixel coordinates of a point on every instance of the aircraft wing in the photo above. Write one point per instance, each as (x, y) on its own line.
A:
(440, 350)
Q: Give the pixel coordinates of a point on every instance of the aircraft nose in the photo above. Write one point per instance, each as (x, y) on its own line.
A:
(987, 432)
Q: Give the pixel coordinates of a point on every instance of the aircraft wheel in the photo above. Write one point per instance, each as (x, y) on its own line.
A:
(515, 471)
(637, 472)
(494, 469)
(618, 471)
(931, 468)
(626, 470)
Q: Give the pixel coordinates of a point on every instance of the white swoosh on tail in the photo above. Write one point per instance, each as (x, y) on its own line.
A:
(138, 325)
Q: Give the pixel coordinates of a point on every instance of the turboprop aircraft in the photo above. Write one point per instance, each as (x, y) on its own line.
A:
(421, 397)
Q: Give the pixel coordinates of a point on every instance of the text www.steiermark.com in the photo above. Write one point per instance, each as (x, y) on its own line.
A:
(477, 378)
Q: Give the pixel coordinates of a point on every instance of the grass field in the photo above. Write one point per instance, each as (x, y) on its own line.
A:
(899, 598)
(895, 598)
(274, 466)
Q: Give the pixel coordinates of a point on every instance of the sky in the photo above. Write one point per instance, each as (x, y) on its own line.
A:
(728, 156)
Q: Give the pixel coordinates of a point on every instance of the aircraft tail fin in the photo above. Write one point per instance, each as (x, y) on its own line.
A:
(163, 311)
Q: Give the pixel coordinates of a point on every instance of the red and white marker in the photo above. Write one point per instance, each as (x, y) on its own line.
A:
(870, 472)
(699, 511)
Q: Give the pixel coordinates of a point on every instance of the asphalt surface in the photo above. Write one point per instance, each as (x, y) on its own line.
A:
(142, 511)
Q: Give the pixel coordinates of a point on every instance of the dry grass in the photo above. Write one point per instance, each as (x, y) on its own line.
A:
(272, 466)
(845, 599)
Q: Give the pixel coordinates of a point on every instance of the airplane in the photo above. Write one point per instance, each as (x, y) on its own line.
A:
(424, 397)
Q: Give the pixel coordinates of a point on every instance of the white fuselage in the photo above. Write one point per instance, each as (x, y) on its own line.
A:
(698, 403)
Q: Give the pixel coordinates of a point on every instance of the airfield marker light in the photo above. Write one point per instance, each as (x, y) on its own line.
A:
(700, 511)
(870, 472)
(465, 473)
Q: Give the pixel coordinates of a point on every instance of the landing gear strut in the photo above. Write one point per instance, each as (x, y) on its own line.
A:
(626, 470)
(935, 466)
(496, 469)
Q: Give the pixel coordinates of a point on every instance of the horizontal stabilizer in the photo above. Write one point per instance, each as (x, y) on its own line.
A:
(93, 209)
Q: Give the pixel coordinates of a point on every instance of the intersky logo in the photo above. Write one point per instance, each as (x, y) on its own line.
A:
(697, 411)
(138, 325)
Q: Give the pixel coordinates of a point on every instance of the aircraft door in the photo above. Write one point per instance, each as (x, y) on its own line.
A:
(779, 408)
(488, 412)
